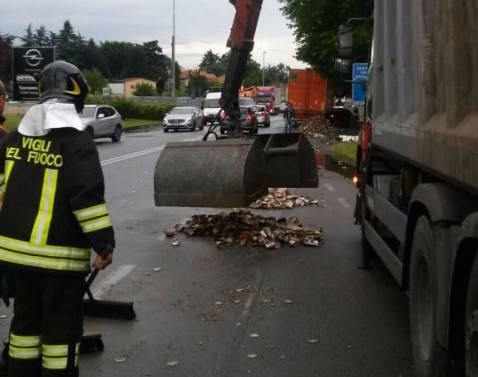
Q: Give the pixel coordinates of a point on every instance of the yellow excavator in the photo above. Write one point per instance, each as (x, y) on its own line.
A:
(236, 170)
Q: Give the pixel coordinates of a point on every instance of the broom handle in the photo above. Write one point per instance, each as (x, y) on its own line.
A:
(89, 281)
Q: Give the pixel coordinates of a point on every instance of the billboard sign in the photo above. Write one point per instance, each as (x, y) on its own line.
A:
(27, 65)
(359, 81)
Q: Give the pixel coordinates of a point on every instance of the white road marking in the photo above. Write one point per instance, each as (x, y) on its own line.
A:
(140, 153)
(329, 187)
(107, 283)
(131, 155)
(343, 202)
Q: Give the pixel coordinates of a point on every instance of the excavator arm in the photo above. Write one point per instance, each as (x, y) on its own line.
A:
(233, 172)
(241, 42)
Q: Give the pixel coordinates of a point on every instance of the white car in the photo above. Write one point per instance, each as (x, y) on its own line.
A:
(102, 121)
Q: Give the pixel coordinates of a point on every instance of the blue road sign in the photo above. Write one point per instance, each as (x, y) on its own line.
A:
(359, 78)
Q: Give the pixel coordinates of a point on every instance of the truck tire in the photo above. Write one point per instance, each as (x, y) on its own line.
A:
(471, 324)
(430, 359)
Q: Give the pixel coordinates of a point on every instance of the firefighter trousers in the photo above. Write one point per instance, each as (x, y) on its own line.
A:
(47, 325)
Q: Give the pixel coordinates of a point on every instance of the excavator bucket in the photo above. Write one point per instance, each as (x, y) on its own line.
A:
(289, 161)
(232, 172)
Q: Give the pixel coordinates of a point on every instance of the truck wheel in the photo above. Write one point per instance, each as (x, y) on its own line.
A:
(471, 324)
(429, 357)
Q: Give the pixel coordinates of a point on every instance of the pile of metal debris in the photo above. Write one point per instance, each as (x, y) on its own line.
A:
(243, 228)
(322, 129)
(318, 128)
(282, 198)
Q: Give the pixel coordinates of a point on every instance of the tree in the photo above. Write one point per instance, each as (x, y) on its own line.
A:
(253, 74)
(213, 63)
(156, 62)
(316, 24)
(198, 84)
(95, 79)
(209, 59)
(6, 41)
(70, 46)
(28, 38)
(93, 58)
(278, 74)
(41, 38)
(144, 90)
(126, 59)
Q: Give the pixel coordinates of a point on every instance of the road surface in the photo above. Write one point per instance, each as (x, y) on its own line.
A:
(292, 312)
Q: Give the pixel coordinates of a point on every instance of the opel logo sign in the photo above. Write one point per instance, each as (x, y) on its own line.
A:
(33, 57)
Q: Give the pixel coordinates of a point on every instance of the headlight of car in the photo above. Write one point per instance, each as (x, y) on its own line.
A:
(189, 120)
(165, 121)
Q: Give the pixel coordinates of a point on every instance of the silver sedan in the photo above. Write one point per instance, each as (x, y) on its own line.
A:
(183, 118)
(102, 121)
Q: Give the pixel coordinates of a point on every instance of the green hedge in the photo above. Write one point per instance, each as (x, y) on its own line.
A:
(131, 109)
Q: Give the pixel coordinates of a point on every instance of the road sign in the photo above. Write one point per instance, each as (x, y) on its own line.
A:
(27, 65)
(359, 78)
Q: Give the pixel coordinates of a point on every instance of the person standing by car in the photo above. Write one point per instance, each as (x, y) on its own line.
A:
(3, 95)
(289, 116)
(53, 213)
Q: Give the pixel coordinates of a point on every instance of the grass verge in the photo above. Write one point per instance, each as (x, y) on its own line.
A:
(138, 123)
(345, 152)
(12, 121)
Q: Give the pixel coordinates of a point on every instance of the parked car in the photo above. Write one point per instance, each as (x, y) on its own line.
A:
(263, 116)
(183, 118)
(248, 121)
(102, 121)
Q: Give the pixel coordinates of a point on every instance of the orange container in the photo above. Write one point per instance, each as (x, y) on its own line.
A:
(307, 92)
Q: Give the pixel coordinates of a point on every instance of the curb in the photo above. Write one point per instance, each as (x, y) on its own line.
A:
(146, 127)
(328, 162)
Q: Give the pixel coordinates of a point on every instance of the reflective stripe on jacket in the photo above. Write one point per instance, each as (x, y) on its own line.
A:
(53, 209)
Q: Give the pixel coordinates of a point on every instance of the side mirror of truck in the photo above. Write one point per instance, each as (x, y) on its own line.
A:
(345, 42)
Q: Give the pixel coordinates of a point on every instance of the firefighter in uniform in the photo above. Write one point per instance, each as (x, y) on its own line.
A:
(53, 214)
(3, 94)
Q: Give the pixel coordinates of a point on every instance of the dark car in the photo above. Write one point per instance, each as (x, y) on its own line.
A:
(248, 121)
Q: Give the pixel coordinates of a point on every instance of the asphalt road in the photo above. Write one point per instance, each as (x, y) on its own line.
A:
(310, 311)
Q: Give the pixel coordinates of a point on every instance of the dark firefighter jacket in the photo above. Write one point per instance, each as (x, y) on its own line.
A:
(53, 208)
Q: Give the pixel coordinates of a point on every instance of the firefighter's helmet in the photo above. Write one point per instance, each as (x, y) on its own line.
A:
(63, 81)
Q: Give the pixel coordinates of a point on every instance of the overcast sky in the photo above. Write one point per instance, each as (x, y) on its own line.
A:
(200, 25)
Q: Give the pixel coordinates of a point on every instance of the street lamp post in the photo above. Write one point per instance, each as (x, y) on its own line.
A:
(173, 54)
(263, 67)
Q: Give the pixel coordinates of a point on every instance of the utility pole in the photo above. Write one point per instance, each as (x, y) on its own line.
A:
(173, 54)
(263, 67)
